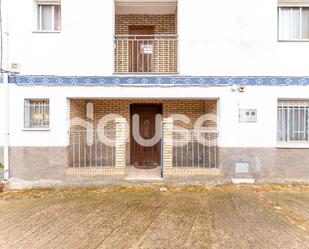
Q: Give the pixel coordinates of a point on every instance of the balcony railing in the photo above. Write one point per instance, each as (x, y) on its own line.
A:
(195, 148)
(146, 54)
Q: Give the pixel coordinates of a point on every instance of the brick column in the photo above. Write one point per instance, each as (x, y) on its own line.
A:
(167, 146)
(120, 153)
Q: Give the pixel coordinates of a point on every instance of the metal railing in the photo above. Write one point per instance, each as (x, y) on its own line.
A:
(88, 149)
(197, 149)
(146, 54)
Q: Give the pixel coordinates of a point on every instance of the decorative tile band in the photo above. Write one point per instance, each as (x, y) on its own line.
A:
(154, 80)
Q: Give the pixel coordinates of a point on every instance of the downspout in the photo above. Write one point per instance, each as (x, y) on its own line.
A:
(6, 153)
(6, 91)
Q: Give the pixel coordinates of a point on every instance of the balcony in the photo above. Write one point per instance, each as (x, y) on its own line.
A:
(146, 54)
(146, 40)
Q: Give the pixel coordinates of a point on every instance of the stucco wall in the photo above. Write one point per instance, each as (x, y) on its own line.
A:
(38, 163)
(266, 164)
(232, 133)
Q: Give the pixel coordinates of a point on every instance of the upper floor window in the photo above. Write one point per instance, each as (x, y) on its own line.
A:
(36, 113)
(48, 15)
(293, 23)
(293, 121)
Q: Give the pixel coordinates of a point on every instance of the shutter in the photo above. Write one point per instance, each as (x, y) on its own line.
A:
(293, 2)
(53, 2)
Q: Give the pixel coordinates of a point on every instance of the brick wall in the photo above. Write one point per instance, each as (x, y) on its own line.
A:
(211, 108)
(78, 108)
(191, 108)
(164, 57)
(164, 24)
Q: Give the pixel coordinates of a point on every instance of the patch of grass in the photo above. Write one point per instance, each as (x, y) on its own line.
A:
(1, 165)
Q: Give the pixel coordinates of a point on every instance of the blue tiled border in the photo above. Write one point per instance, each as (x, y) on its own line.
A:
(155, 80)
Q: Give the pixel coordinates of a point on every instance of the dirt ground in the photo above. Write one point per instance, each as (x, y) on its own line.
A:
(139, 217)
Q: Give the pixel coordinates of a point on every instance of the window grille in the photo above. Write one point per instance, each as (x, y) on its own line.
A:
(293, 125)
(36, 113)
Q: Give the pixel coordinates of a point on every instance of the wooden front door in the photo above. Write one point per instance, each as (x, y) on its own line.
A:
(141, 49)
(142, 156)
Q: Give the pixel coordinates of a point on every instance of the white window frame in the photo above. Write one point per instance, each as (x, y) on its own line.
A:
(285, 107)
(38, 18)
(27, 114)
(300, 22)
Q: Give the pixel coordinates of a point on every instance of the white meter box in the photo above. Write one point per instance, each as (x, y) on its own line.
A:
(248, 115)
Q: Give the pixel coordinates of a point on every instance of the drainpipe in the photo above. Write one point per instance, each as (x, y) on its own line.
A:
(5, 76)
(6, 129)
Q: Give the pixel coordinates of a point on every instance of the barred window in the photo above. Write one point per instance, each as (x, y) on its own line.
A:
(36, 113)
(293, 121)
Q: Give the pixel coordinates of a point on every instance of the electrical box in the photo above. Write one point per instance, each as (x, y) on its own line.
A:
(248, 115)
(15, 68)
(241, 168)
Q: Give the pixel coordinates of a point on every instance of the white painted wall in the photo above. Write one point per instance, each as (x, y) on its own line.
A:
(231, 132)
(84, 46)
(221, 38)
(57, 135)
(236, 37)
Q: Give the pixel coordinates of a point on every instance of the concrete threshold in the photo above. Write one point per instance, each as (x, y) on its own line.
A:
(144, 179)
(134, 174)
(243, 180)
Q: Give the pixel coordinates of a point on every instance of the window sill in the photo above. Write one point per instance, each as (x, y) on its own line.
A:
(294, 40)
(293, 145)
(46, 31)
(36, 129)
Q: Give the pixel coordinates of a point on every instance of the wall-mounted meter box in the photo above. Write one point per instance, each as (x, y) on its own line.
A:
(15, 68)
(248, 115)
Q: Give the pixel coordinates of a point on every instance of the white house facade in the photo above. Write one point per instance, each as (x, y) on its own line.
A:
(224, 83)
